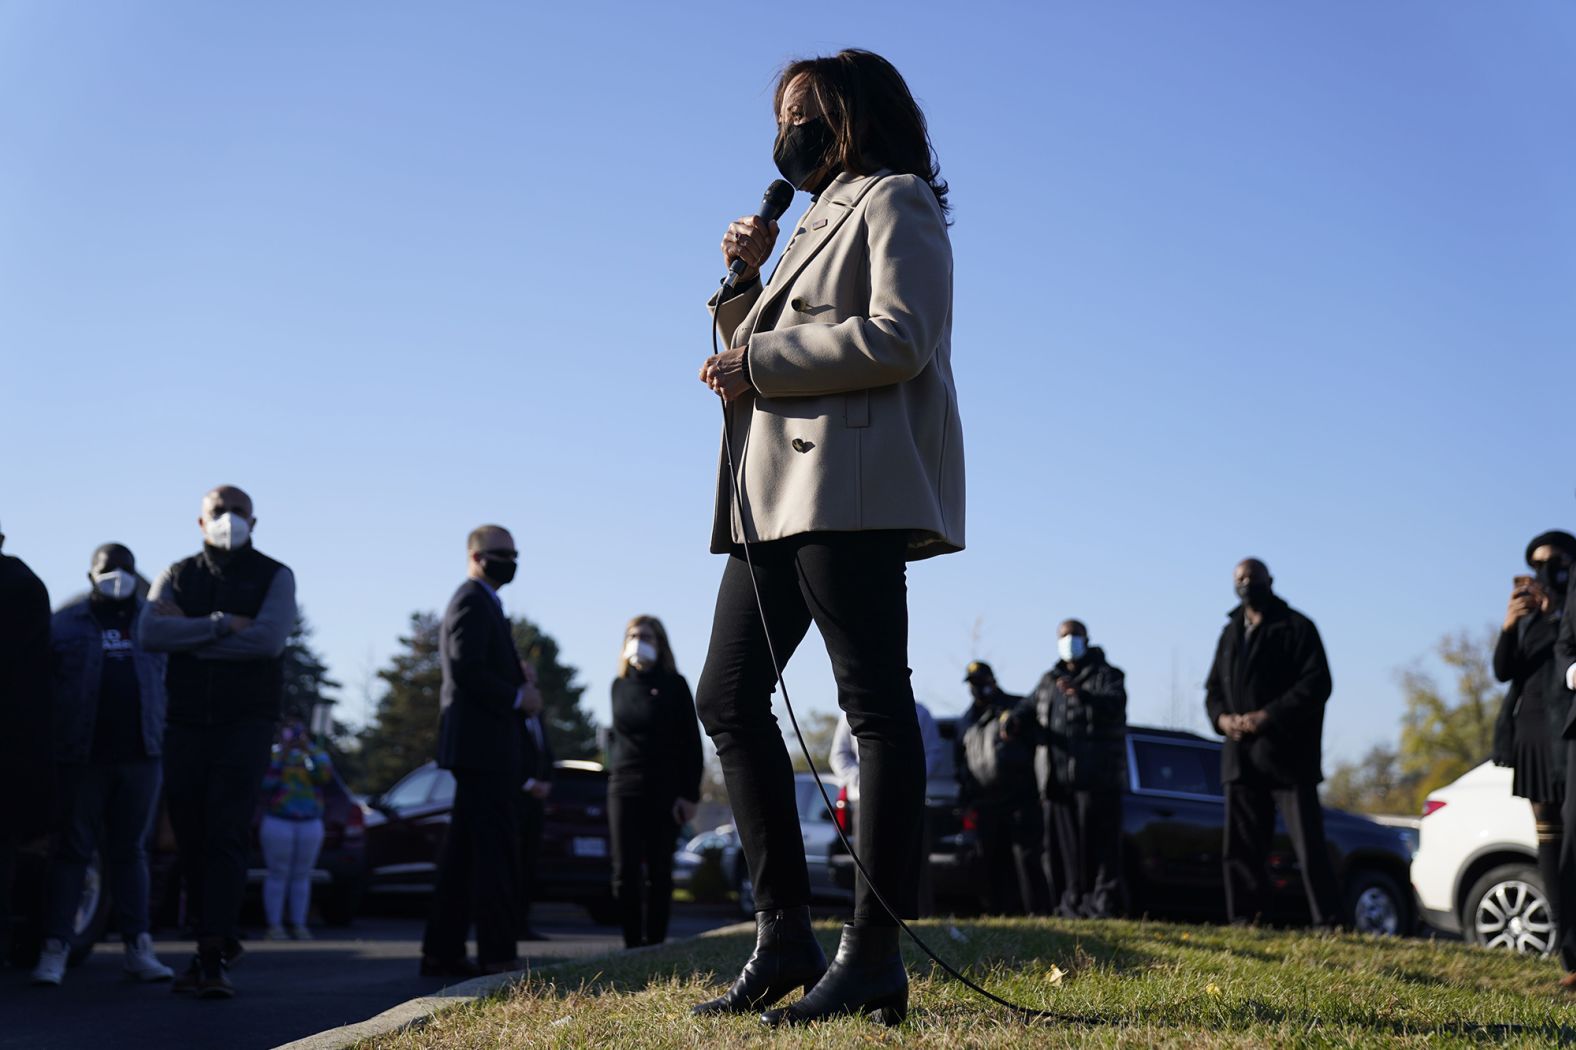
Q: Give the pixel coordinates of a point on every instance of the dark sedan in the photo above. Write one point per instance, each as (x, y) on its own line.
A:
(1173, 820)
(406, 827)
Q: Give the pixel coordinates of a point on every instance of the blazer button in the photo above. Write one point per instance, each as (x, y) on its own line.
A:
(798, 303)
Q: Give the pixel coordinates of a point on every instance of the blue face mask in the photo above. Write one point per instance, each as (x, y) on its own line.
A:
(1071, 647)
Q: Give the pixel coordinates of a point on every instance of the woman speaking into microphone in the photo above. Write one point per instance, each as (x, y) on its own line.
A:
(843, 424)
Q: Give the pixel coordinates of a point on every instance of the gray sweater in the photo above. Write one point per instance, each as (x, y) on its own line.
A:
(213, 637)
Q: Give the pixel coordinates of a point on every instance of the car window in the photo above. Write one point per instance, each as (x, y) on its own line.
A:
(1176, 767)
(412, 791)
(810, 805)
(442, 789)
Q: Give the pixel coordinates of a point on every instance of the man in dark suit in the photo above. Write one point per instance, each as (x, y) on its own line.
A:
(486, 689)
(538, 752)
(1266, 694)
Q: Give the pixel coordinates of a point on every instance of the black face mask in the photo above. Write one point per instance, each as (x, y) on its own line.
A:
(802, 149)
(1553, 577)
(1254, 594)
(500, 570)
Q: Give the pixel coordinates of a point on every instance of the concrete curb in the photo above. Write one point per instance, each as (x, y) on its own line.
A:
(417, 1011)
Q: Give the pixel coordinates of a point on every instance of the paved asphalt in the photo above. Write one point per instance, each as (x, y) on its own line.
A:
(285, 990)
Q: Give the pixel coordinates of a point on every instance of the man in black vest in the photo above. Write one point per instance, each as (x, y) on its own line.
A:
(486, 689)
(223, 615)
(1265, 694)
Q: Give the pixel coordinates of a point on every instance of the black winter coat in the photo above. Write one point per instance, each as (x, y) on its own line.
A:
(1565, 654)
(1280, 669)
(26, 703)
(970, 790)
(1526, 652)
(1084, 736)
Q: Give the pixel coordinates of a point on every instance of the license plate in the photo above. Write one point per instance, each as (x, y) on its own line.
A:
(589, 847)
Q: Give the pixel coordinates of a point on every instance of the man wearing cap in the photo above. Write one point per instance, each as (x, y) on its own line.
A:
(223, 616)
(995, 763)
(1265, 694)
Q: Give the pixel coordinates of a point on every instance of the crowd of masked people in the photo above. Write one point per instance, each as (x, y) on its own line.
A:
(129, 694)
(177, 692)
(1045, 772)
(133, 693)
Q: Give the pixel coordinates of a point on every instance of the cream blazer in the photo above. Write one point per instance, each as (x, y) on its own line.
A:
(854, 421)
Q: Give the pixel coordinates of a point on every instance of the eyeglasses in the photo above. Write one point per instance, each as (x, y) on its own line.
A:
(510, 555)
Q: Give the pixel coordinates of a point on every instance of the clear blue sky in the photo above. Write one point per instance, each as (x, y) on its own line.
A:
(1232, 278)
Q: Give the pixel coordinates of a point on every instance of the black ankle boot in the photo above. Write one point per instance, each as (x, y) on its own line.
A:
(867, 977)
(786, 957)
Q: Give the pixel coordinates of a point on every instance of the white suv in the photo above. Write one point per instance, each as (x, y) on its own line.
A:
(1476, 866)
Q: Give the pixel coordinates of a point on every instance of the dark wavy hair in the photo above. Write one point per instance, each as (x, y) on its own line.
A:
(873, 116)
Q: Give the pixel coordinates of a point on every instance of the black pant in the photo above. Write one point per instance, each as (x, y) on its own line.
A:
(1563, 895)
(644, 835)
(854, 588)
(109, 807)
(1089, 840)
(1011, 840)
(1251, 803)
(478, 871)
(212, 776)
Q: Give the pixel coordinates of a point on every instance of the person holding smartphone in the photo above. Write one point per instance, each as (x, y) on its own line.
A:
(1528, 736)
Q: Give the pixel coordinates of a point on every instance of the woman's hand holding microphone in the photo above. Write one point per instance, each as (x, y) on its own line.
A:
(750, 240)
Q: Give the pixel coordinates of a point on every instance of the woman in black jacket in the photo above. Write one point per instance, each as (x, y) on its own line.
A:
(1528, 735)
(655, 780)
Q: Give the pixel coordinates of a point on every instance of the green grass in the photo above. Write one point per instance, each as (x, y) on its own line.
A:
(1131, 984)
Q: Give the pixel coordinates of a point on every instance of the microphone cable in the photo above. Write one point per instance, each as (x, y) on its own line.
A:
(735, 486)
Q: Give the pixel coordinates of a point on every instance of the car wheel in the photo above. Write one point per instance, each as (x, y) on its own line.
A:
(1376, 905)
(1508, 908)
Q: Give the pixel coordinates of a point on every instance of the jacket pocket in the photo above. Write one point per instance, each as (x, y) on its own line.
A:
(856, 408)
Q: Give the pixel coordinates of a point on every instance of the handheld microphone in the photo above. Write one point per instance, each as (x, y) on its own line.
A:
(775, 201)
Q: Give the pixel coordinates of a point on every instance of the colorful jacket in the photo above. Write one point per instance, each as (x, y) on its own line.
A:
(293, 785)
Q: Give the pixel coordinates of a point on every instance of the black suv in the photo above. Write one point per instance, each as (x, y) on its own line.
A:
(1173, 822)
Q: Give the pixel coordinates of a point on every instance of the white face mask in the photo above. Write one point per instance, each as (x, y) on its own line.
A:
(228, 531)
(117, 584)
(1071, 647)
(641, 655)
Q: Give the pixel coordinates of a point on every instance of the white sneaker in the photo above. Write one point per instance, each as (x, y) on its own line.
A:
(277, 933)
(51, 968)
(300, 933)
(141, 962)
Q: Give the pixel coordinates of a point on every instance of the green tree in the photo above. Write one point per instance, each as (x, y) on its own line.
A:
(569, 728)
(1441, 737)
(1443, 734)
(818, 727)
(403, 732)
(308, 688)
(1374, 784)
